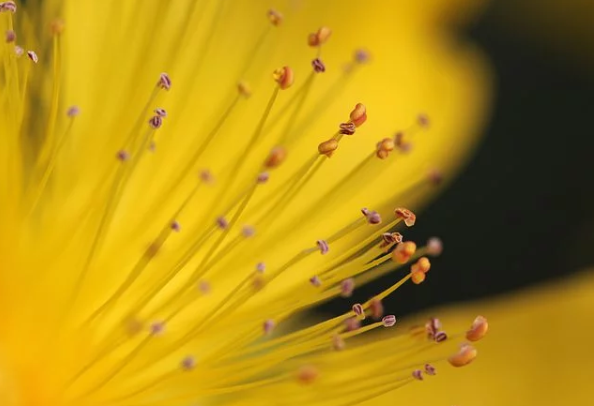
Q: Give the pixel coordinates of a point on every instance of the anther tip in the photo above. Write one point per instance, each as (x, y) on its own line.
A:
(8, 7)
(284, 77)
(73, 111)
(465, 355)
(10, 36)
(33, 56)
(164, 81)
(478, 329)
(275, 17)
(359, 114)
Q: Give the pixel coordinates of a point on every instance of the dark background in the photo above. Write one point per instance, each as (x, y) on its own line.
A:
(522, 211)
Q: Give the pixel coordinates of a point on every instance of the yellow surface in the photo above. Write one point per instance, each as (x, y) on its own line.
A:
(77, 225)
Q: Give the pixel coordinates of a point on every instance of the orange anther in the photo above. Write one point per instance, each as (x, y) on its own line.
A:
(403, 252)
(465, 355)
(359, 115)
(277, 156)
(408, 216)
(417, 277)
(422, 265)
(284, 77)
(478, 330)
(328, 147)
(275, 17)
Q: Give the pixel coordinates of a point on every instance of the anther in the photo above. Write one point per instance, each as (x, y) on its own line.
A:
(338, 343)
(403, 252)
(204, 287)
(376, 308)
(248, 231)
(359, 114)
(372, 216)
(157, 328)
(440, 336)
(417, 277)
(347, 287)
(10, 36)
(434, 246)
(244, 89)
(156, 122)
(347, 128)
(263, 177)
(8, 6)
(408, 216)
(430, 369)
(435, 177)
(400, 143)
(33, 56)
(361, 56)
(19, 51)
(123, 155)
(275, 17)
(465, 355)
(73, 111)
(175, 226)
(284, 77)
(307, 374)
(276, 157)
(422, 265)
(359, 311)
(328, 147)
(206, 176)
(323, 246)
(188, 363)
(390, 238)
(352, 324)
(268, 326)
(260, 267)
(478, 329)
(315, 281)
(432, 327)
(320, 37)
(389, 320)
(423, 120)
(222, 222)
(417, 374)
(384, 147)
(164, 81)
(161, 112)
(318, 65)
(57, 26)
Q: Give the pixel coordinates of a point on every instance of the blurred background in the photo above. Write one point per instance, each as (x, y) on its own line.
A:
(522, 211)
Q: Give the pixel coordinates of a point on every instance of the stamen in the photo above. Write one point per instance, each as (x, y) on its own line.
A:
(417, 277)
(32, 56)
(320, 37)
(359, 115)
(478, 329)
(277, 156)
(372, 216)
(244, 89)
(157, 328)
(222, 223)
(73, 111)
(307, 375)
(403, 252)
(347, 128)
(384, 147)
(464, 356)
(376, 308)
(359, 311)
(188, 363)
(422, 265)
(323, 246)
(408, 216)
(430, 369)
(389, 321)
(248, 231)
(155, 122)
(164, 81)
(161, 112)
(338, 342)
(10, 36)
(318, 65)
(417, 374)
(260, 267)
(328, 147)
(284, 77)
(8, 6)
(275, 17)
(315, 281)
(268, 326)
(123, 155)
(347, 287)
(440, 337)
(434, 246)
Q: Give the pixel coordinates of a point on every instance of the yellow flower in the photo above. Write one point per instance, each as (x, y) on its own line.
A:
(179, 180)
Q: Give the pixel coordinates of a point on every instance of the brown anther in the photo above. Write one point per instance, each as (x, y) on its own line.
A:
(435, 177)
(204, 287)
(276, 157)
(260, 267)
(33, 56)
(306, 375)
(123, 155)
(408, 216)
(403, 252)
(430, 369)
(347, 287)
(361, 56)
(8, 6)
(347, 128)
(465, 355)
(164, 81)
(359, 311)
(259, 281)
(440, 337)
(222, 222)
(275, 17)
(284, 77)
(389, 320)
(328, 147)
(376, 308)
(206, 176)
(156, 122)
(188, 363)
(161, 112)
(417, 374)
(320, 37)
(352, 324)
(478, 329)
(268, 326)
(248, 231)
(315, 281)
(157, 328)
(10, 36)
(422, 265)
(423, 120)
(263, 177)
(432, 326)
(318, 65)
(400, 143)
(372, 216)
(434, 246)
(323, 246)
(338, 343)
(57, 26)
(390, 238)
(384, 147)
(244, 89)
(73, 111)
(418, 277)
(358, 115)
